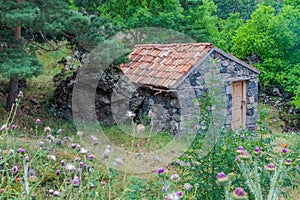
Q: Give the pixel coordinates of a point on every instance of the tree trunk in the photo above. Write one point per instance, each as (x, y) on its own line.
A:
(12, 92)
(13, 83)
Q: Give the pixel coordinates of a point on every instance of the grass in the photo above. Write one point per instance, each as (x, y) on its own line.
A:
(103, 182)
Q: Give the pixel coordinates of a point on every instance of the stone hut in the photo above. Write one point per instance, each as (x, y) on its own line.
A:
(170, 77)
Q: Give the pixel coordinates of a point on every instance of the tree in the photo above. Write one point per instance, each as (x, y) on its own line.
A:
(25, 24)
(275, 38)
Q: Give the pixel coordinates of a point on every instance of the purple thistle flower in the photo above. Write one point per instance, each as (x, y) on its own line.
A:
(81, 164)
(59, 131)
(57, 172)
(56, 193)
(163, 189)
(77, 159)
(68, 180)
(15, 169)
(26, 159)
(270, 167)
(41, 143)
(240, 148)
(221, 175)
(91, 157)
(257, 149)
(73, 145)
(285, 150)
(20, 94)
(78, 147)
(245, 155)
(76, 181)
(37, 121)
(288, 161)
(237, 158)
(94, 140)
(20, 150)
(62, 162)
(160, 170)
(222, 178)
(13, 127)
(51, 191)
(150, 114)
(179, 193)
(239, 191)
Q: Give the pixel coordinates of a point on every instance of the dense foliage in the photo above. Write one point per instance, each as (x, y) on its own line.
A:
(267, 29)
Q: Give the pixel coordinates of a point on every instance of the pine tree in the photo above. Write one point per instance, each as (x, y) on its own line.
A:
(26, 24)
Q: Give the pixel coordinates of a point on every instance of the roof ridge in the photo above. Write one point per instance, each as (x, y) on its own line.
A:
(174, 44)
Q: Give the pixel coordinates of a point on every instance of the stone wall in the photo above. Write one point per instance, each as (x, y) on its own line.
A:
(216, 74)
(174, 110)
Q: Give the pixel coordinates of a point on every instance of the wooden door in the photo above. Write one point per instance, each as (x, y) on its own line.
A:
(238, 104)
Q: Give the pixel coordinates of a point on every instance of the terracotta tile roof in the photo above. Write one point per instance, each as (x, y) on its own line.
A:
(163, 65)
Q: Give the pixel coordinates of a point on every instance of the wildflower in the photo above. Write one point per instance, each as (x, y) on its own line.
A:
(70, 167)
(94, 140)
(13, 127)
(81, 164)
(47, 129)
(187, 186)
(15, 169)
(175, 177)
(57, 172)
(4, 126)
(26, 159)
(76, 181)
(77, 159)
(140, 128)
(257, 151)
(222, 178)
(52, 157)
(79, 133)
(50, 138)
(37, 121)
(160, 170)
(83, 151)
(91, 157)
(78, 147)
(20, 150)
(163, 189)
(237, 158)
(41, 143)
(118, 162)
(240, 149)
(62, 162)
(130, 114)
(288, 161)
(20, 95)
(73, 145)
(270, 167)
(11, 152)
(59, 131)
(179, 193)
(285, 150)
(56, 193)
(68, 180)
(150, 114)
(245, 155)
(107, 151)
(50, 191)
(173, 196)
(239, 193)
